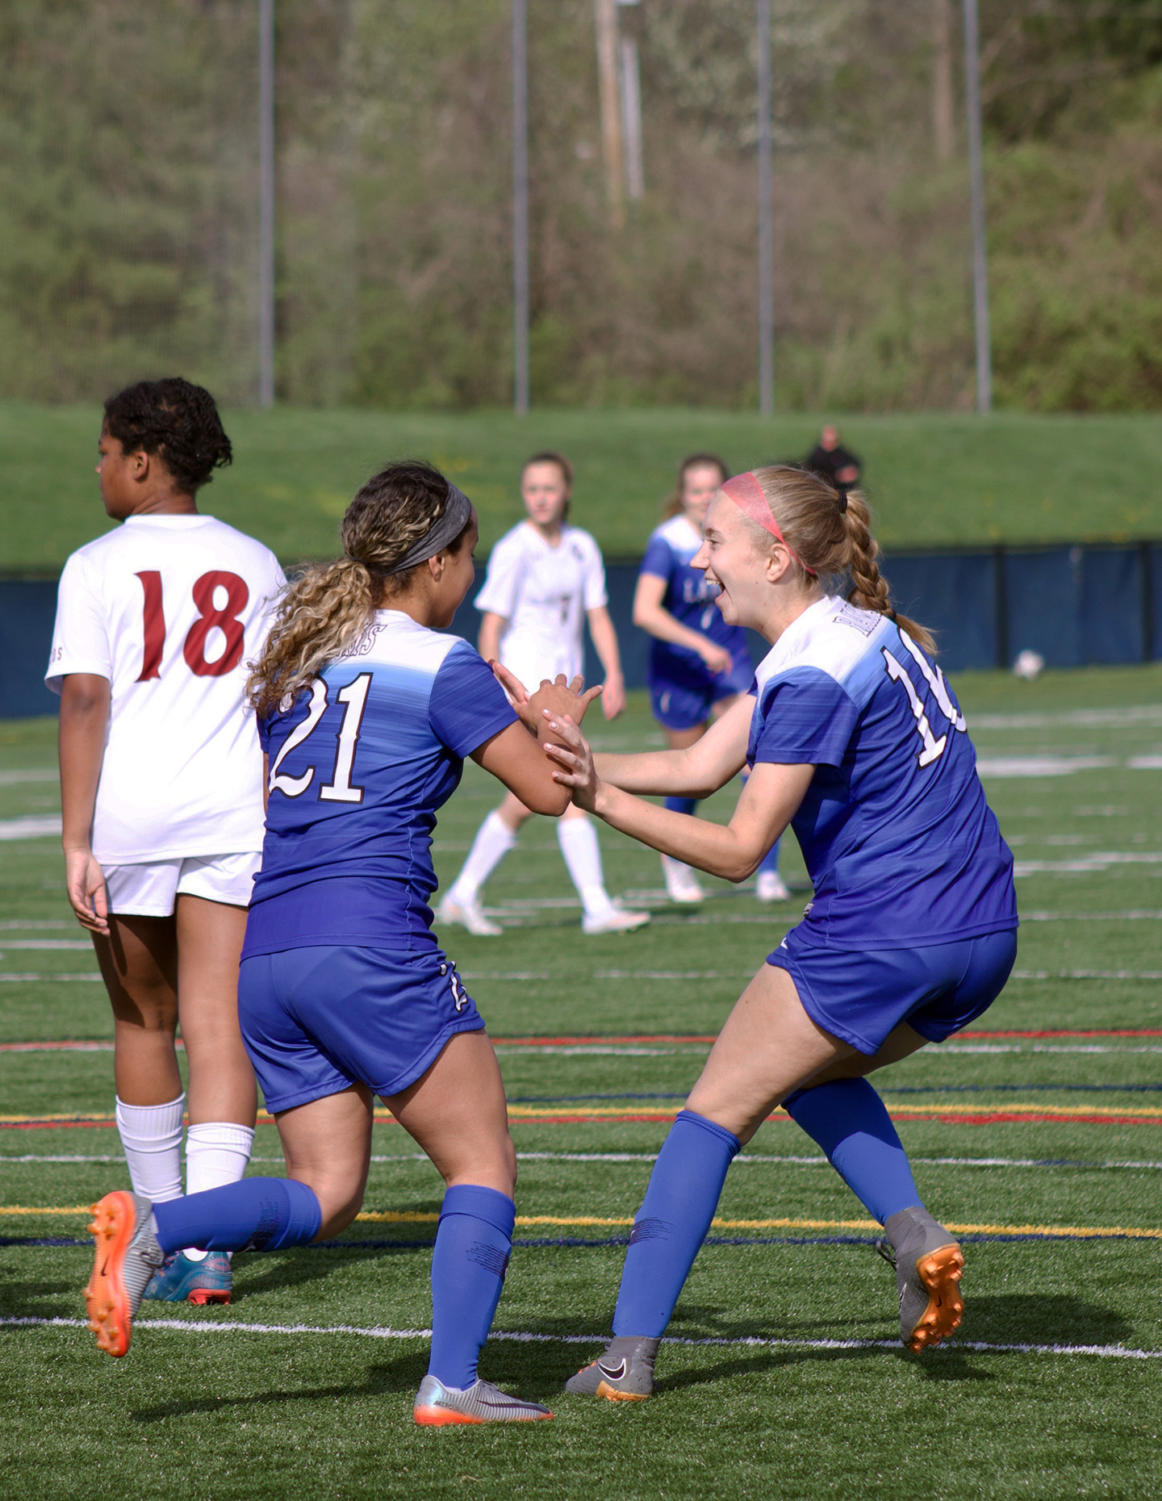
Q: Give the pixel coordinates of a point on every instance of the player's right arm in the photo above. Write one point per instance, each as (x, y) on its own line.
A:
(515, 756)
(651, 616)
(84, 719)
(491, 630)
(697, 771)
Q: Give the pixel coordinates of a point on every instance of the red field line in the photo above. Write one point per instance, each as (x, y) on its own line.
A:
(630, 1038)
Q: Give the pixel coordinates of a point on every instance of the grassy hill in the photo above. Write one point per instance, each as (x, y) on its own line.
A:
(933, 480)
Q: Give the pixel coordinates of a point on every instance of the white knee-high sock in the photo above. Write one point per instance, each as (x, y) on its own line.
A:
(151, 1138)
(578, 840)
(216, 1154)
(493, 841)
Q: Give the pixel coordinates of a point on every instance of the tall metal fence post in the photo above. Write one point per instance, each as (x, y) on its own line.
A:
(980, 274)
(520, 210)
(266, 203)
(766, 238)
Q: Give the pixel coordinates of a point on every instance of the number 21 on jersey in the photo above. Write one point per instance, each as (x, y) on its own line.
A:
(339, 789)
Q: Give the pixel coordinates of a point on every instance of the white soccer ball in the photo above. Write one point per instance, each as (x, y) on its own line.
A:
(1028, 665)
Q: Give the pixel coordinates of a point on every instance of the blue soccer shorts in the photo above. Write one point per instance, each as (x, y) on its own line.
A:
(861, 996)
(681, 703)
(317, 1020)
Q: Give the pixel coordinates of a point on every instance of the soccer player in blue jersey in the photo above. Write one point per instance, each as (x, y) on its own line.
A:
(366, 711)
(856, 741)
(698, 664)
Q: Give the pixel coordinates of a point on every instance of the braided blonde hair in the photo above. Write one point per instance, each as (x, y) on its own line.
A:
(323, 611)
(832, 542)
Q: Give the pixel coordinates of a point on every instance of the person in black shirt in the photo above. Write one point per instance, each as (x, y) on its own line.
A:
(832, 462)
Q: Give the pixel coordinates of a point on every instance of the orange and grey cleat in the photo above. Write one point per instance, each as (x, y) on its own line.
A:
(126, 1256)
(929, 1264)
(440, 1406)
(624, 1373)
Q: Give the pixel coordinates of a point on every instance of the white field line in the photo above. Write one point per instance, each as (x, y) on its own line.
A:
(528, 1337)
(31, 774)
(69, 945)
(32, 826)
(745, 1159)
(1105, 718)
(1095, 860)
(999, 767)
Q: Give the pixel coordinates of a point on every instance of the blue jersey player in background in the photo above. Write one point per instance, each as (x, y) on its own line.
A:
(856, 740)
(699, 665)
(366, 711)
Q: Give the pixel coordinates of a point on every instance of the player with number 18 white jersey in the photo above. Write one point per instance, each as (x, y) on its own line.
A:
(170, 609)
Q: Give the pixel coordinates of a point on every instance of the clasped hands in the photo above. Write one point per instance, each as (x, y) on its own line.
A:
(554, 714)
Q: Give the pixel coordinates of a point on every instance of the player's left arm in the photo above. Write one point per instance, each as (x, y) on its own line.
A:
(766, 805)
(605, 645)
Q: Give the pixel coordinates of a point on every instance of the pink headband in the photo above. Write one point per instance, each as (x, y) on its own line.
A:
(748, 496)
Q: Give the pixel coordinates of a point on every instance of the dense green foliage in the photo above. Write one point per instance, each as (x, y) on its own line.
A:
(933, 481)
(1045, 1152)
(128, 173)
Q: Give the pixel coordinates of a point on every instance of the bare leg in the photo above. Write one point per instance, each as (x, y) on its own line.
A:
(209, 939)
(327, 1146)
(138, 962)
(458, 1115)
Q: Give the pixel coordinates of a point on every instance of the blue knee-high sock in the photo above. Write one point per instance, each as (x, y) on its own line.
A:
(848, 1120)
(255, 1214)
(681, 804)
(671, 1225)
(770, 861)
(473, 1241)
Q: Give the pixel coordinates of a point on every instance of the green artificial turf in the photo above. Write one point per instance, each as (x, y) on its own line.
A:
(784, 1377)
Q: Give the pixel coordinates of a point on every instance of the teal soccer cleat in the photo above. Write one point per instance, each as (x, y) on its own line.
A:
(182, 1280)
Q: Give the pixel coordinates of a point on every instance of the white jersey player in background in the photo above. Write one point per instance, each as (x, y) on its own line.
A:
(545, 581)
(161, 791)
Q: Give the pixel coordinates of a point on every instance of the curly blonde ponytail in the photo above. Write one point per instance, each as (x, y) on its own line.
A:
(831, 536)
(323, 611)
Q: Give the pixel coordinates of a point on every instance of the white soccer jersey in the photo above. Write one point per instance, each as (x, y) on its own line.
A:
(171, 609)
(543, 593)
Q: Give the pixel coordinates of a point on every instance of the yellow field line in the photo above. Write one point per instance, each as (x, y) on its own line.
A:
(590, 1221)
(537, 1112)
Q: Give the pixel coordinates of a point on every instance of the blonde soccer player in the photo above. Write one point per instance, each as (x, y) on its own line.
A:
(161, 792)
(856, 740)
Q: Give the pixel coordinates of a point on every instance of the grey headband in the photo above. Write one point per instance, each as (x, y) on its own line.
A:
(456, 516)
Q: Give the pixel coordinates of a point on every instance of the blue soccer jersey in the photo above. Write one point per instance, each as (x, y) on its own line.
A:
(901, 847)
(358, 767)
(689, 598)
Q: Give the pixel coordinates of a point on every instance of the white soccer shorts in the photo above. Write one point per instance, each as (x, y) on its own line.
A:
(152, 888)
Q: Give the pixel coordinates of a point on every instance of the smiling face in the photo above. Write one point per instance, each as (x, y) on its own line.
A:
(545, 492)
(734, 557)
(699, 486)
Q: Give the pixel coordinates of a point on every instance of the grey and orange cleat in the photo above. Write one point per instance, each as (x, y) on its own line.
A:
(929, 1264)
(438, 1406)
(127, 1255)
(624, 1373)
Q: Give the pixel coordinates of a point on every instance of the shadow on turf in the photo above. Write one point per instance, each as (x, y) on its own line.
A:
(509, 1366)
